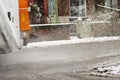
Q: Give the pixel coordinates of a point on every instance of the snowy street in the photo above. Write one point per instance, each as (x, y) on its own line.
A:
(59, 70)
(75, 59)
(59, 39)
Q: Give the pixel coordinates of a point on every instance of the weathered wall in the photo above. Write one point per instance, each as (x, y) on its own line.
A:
(50, 33)
(97, 29)
(102, 29)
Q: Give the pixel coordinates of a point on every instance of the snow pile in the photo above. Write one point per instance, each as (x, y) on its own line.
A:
(106, 71)
(110, 70)
(73, 40)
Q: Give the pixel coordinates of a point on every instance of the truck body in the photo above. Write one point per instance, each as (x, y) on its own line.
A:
(10, 38)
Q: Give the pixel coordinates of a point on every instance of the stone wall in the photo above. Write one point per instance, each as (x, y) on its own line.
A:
(102, 29)
(97, 29)
(50, 33)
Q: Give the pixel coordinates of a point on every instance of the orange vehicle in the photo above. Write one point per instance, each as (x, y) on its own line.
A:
(23, 15)
(24, 20)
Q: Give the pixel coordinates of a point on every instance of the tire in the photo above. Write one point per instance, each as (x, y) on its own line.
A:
(2, 51)
(24, 42)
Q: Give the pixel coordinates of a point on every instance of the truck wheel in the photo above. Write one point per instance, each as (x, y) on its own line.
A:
(24, 42)
(2, 51)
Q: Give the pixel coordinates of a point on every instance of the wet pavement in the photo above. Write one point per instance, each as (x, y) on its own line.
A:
(58, 70)
(60, 62)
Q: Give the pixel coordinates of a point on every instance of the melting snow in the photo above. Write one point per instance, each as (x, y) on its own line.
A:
(115, 70)
(73, 40)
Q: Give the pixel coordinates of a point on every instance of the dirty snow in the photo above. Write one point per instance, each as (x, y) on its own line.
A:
(73, 40)
(113, 69)
(104, 71)
(93, 22)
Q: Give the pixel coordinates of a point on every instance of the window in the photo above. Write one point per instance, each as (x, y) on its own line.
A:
(114, 3)
(108, 3)
(77, 8)
(111, 3)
